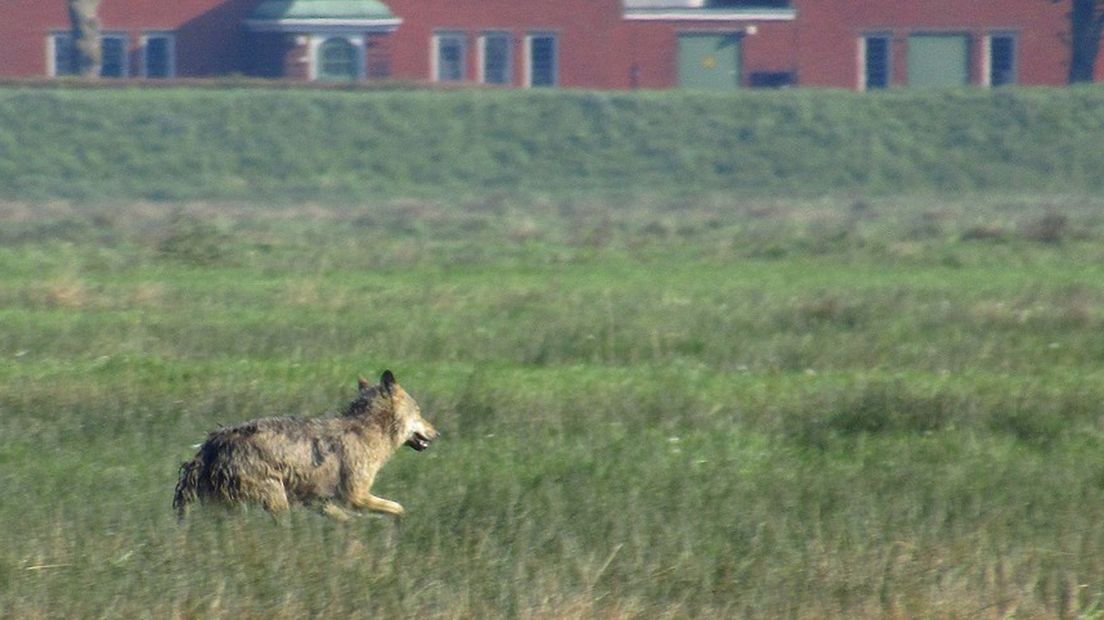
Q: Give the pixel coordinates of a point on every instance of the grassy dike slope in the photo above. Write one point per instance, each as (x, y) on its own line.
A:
(234, 144)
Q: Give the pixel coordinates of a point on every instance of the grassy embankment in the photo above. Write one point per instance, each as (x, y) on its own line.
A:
(291, 145)
(703, 407)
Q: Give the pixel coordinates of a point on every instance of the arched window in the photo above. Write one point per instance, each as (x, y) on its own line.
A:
(337, 60)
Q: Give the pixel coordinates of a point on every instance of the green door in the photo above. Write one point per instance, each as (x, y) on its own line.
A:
(709, 61)
(938, 60)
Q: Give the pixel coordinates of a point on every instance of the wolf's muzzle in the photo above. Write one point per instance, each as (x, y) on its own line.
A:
(418, 441)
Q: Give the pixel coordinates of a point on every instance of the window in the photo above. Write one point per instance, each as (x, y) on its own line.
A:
(337, 60)
(494, 58)
(541, 68)
(61, 54)
(448, 57)
(158, 56)
(938, 60)
(876, 62)
(1002, 60)
(772, 79)
(113, 56)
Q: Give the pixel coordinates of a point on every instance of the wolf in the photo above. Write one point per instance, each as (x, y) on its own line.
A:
(328, 463)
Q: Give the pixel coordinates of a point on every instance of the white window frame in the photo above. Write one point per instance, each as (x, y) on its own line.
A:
(170, 37)
(435, 54)
(529, 57)
(862, 65)
(987, 57)
(124, 68)
(51, 51)
(482, 56)
(315, 44)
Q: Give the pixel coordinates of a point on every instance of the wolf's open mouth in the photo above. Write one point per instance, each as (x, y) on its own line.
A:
(418, 441)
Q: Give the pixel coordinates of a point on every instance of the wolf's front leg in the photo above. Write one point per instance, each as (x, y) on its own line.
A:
(378, 504)
(387, 507)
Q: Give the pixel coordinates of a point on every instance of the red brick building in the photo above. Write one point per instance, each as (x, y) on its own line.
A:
(615, 44)
(860, 43)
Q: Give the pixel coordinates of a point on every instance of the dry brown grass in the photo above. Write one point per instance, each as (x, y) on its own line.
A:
(67, 292)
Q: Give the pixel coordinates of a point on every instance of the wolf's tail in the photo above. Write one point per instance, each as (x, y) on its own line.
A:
(187, 489)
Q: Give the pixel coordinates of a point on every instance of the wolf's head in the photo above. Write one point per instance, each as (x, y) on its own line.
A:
(387, 398)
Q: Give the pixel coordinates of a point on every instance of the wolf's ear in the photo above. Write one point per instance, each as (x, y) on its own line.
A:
(363, 383)
(387, 380)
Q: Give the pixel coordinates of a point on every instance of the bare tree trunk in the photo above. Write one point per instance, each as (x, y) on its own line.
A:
(86, 37)
(1086, 24)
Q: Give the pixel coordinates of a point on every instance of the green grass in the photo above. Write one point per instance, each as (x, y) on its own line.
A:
(685, 406)
(287, 145)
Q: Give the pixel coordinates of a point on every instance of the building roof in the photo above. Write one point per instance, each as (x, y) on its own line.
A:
(321, 9)
(664, 4)
(709, 10)
(680, 14)
(707, 4)
(322, 15)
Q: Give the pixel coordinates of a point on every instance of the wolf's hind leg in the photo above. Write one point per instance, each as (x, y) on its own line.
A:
(273, 497)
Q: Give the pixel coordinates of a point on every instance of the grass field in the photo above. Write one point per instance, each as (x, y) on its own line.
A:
(651, 405)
